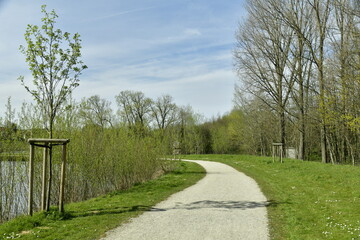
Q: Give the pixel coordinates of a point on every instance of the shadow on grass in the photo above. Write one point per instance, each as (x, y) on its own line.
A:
(190, 172)
(115, 210)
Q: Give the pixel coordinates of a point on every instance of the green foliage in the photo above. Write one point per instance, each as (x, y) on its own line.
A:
(307, 200)
(225, 134)
(104, 155)
(55, 68)
(95, 110)
(92, 218)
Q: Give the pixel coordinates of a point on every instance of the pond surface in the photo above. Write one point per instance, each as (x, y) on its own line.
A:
(13, 189)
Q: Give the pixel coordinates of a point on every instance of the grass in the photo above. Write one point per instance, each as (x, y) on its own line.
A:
(308, 200)
(91, 219)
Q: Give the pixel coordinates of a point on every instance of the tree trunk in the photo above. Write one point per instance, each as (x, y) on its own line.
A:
(301, 153)
(283, 133)
(48, 198)
(323, 144)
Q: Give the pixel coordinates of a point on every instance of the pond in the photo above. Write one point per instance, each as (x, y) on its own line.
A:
(13, 189)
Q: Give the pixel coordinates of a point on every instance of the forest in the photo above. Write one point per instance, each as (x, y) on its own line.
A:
(298, 66)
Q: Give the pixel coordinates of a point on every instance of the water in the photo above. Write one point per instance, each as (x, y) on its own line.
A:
(13, 189)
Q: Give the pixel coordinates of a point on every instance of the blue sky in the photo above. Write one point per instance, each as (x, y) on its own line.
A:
(177, 47)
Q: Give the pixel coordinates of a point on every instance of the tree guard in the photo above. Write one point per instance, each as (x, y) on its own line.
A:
(278, 150)
(46, 144)
(176, 149)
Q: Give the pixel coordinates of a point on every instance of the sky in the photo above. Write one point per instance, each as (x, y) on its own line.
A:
(182, 48)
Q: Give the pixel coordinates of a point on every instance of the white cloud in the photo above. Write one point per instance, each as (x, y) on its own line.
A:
(117, 14)
(169, 49)
(190, 79)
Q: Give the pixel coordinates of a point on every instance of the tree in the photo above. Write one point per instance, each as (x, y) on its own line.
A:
(189, 132)
(134, 108)
(54, 61)
(97, 111)
(10, 127)
(321, 12)
(164, 111)
(319, 70)
(259, 124)
(261, 55)
(298, 16)
(55, 70)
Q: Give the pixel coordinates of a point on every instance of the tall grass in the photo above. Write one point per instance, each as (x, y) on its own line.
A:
(99, 161)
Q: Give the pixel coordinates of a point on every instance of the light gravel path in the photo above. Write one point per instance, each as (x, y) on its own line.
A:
(225, 204)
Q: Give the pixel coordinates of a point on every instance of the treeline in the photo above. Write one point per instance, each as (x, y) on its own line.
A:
(298, 64)
(110, 148)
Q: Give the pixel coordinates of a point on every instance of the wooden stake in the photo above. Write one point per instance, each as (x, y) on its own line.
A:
(45, 204)
(44, 178)
(62, 180)
(31, 179)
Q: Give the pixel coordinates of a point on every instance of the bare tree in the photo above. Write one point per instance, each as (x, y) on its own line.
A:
(261, 55)
(96, 111)
(321, 12)
(134, 108)
(297, 15)
(164, 111)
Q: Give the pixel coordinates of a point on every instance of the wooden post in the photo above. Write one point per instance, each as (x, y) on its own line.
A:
(278, 149)
(62, 180)
(47, 142)
(31, 179)
(44, 177)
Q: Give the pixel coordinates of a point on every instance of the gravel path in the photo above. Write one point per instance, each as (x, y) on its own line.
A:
(225, 204)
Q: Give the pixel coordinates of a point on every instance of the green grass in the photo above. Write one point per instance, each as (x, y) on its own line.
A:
(92, 218)
(308, 200)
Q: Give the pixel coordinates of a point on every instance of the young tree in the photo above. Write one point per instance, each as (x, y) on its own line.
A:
(55, 69)
(54, 60)
(10, 127)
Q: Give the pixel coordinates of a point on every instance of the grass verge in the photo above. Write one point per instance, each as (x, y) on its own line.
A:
(308, 200)
(91, 219)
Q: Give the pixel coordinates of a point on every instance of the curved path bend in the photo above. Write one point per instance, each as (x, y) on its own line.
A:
(225, 204)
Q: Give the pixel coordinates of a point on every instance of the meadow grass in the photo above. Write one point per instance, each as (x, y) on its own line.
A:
(307, 200)
(91, 219)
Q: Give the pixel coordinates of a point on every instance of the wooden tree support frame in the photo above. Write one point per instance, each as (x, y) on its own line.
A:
(46, 144)
(278, 148)
(176, 150)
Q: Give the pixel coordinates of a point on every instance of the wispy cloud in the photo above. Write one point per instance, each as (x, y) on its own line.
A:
(181, 48)
(117, 14)
(192, 32)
